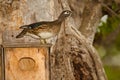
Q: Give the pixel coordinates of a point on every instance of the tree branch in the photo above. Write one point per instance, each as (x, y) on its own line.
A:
(90, 20)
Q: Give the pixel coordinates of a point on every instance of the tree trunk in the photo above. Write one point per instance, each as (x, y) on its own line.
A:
(72, 55)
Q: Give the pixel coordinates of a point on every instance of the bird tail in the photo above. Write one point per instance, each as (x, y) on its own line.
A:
(22, 33)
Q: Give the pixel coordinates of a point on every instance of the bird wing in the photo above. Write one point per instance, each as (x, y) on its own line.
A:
(36, 25)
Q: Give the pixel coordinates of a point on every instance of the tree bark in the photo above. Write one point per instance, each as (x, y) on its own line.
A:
(91, 17)
(72, 56)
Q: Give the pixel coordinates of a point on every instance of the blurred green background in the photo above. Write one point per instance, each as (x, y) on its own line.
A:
(107, 42)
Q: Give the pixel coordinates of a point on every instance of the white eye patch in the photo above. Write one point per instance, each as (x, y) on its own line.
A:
(66, 12)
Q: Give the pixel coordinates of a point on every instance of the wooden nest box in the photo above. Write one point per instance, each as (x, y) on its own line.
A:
(24, 59)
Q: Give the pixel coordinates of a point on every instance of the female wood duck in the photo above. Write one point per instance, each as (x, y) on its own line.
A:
(44, 29)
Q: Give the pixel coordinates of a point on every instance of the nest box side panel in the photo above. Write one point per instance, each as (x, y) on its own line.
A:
(0, 62)
(26, 64)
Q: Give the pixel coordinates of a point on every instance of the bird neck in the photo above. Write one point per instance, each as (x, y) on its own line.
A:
(60, 20)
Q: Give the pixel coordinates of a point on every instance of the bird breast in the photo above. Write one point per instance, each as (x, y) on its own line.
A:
(45, 35)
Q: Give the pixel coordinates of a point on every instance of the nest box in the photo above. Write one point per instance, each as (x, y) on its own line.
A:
(24, 59)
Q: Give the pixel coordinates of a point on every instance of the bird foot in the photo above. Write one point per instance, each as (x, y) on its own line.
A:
(43, 41)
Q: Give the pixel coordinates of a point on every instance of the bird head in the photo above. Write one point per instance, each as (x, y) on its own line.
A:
(65, 14)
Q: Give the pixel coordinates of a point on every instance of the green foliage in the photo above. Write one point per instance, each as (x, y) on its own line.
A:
(114, 6)
(111, 26)
(112, 23)
(113, 73)
(117, 42)
(108, 27)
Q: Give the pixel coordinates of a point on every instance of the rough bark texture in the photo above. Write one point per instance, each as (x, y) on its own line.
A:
(75, 59)
(72, 57)
(91, 16)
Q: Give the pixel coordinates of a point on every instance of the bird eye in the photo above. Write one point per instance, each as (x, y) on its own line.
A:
(66, 12)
